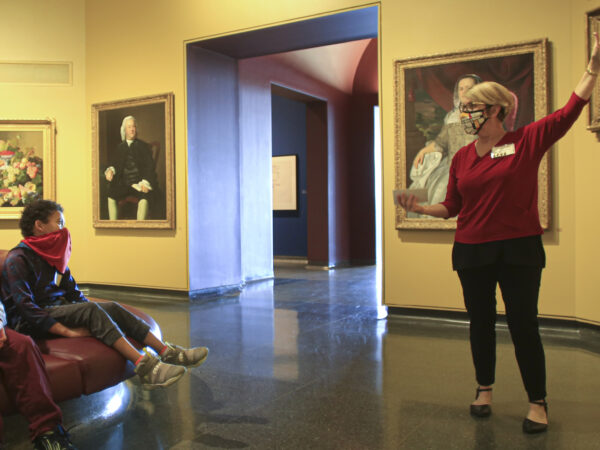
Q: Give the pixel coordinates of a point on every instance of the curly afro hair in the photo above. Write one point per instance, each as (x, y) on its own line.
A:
(37, 210)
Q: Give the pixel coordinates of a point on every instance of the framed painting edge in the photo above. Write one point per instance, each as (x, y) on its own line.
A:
(48, 125)
(593, 24)
(169, 222)
(541, 67)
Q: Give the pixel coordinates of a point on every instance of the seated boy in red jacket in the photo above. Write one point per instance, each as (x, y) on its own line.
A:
(23, 372)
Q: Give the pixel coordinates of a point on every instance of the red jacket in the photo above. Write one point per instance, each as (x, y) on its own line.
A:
(496, 198)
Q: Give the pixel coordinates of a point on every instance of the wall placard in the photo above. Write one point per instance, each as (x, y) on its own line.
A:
(285, 183)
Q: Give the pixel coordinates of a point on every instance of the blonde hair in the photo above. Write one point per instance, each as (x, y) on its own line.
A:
(492, 93)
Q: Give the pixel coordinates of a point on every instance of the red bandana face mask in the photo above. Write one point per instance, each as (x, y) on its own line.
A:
(54, 248)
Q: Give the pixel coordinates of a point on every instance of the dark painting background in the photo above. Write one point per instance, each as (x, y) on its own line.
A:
(150, 129)
(429, 94)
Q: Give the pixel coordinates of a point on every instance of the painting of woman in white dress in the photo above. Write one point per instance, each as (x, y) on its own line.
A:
(431, 166)
(428, 96)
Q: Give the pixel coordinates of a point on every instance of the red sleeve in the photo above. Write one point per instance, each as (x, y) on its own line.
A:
(540, 135)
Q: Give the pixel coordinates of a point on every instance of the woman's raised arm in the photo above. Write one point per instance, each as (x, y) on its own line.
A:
(586, 85)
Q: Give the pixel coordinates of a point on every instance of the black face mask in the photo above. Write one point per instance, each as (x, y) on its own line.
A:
(472, 121)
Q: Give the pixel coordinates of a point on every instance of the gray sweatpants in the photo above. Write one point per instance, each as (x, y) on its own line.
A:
(106, 321)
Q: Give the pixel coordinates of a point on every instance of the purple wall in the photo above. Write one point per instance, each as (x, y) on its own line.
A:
(263, 71)
(213, 171)
(255, 176)
(229, 167)
(289, 138)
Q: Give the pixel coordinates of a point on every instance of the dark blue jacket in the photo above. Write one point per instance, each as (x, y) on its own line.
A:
(29, 285)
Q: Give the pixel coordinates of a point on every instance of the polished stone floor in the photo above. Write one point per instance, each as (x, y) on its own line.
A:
(302, 362)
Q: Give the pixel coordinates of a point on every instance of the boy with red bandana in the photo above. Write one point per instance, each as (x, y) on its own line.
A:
(42, 298)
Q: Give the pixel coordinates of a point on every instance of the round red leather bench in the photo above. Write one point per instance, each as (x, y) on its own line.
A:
(78, 366)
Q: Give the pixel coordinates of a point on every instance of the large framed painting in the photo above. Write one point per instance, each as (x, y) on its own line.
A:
(428, 93)
(133, 163)
(593, 26)
(27, 164)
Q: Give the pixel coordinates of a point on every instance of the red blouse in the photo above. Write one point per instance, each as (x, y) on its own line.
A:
(496, 198)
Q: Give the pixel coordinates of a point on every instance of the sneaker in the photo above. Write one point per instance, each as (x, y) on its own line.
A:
(188, 357)
(154, 373)
(57, 439)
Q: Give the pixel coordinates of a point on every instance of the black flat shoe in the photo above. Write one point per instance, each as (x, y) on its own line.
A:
(481, 410)
(532, 427)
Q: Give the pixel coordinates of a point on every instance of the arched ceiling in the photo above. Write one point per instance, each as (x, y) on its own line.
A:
(326, 48)
(334, 65)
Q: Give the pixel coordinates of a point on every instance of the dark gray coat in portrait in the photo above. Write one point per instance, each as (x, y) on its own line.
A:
(132, 163)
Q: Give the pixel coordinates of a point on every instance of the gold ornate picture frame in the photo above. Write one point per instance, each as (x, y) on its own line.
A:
(593, 25)
(149, 157)
(27, 164)
(426, 111)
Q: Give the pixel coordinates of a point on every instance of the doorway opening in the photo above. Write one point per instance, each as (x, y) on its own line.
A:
(299, 129)
(229, 104)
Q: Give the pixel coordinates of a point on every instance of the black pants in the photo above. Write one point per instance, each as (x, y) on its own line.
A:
(520, 288)
(106, 321)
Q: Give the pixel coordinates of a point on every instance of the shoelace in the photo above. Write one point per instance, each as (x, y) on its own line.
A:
(51, 445)
(179, 356)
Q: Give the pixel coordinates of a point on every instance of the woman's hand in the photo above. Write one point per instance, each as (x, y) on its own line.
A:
(409, 203)
(586, 85)
(594, 64)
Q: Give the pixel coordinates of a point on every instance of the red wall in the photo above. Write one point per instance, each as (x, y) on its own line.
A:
(349, 217)
(361, 170)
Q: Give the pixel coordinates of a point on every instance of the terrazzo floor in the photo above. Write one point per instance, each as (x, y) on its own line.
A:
(302, 362)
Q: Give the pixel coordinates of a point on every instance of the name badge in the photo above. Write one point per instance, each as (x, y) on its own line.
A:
(505, 150)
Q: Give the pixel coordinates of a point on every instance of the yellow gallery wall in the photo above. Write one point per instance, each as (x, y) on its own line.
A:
(568, 284)
(429, 281)
(138, 49)
(50, 31)
(568, 289)
(417, 264)
(586, 159)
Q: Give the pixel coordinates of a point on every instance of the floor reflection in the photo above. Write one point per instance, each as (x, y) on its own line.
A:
(302, 362)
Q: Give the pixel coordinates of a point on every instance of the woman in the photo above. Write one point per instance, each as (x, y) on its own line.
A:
(432, 164)
(493, 189)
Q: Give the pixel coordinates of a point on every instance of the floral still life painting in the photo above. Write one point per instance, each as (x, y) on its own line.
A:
(26, 164)
(20, 174)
